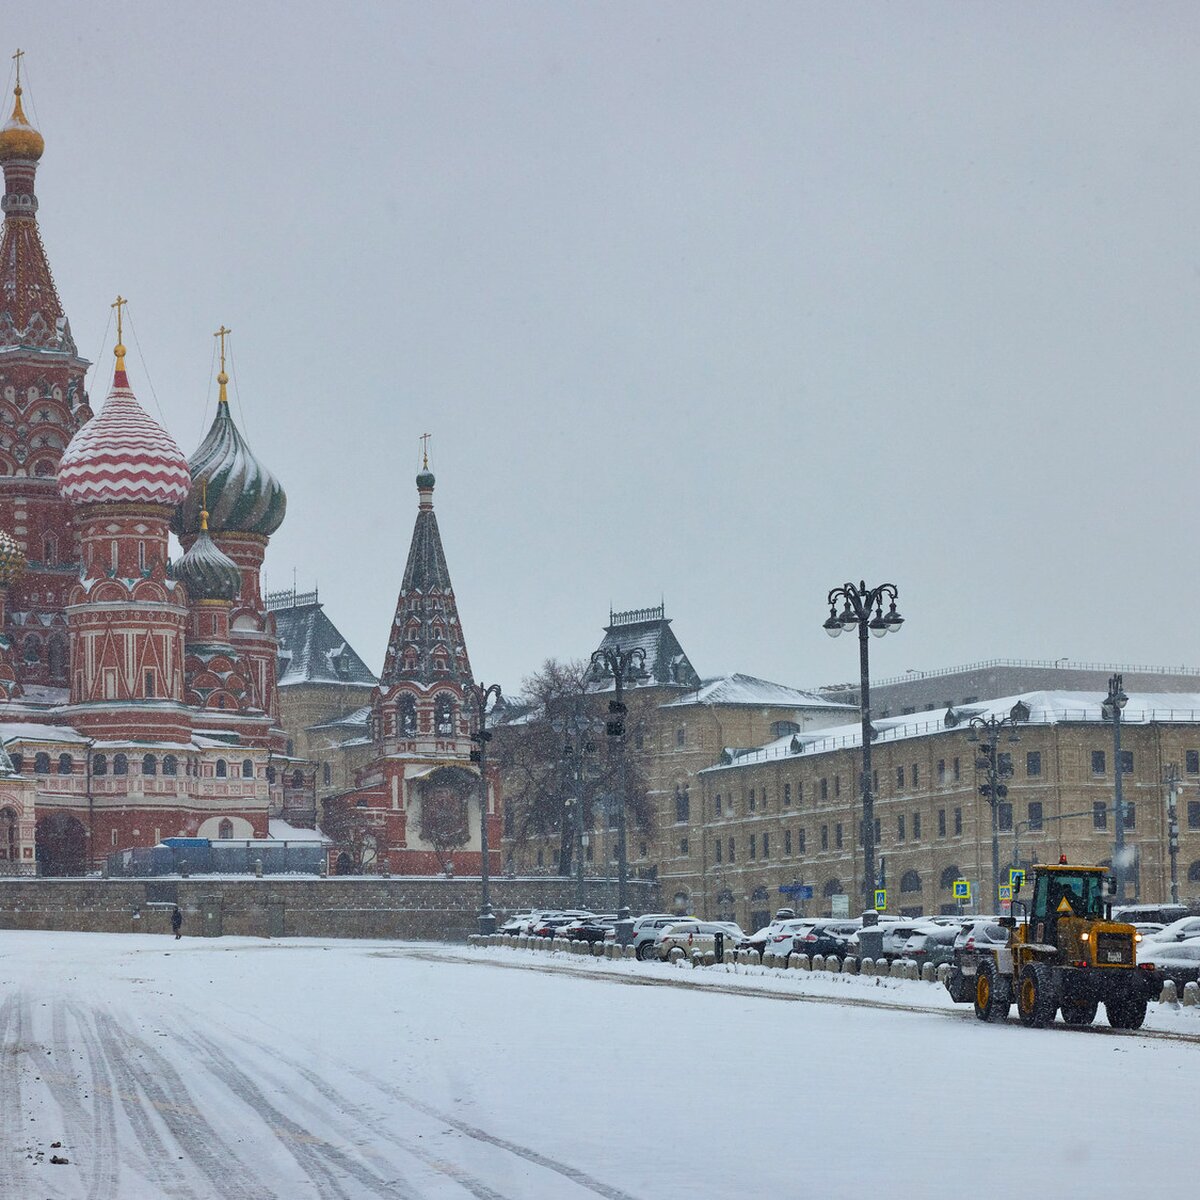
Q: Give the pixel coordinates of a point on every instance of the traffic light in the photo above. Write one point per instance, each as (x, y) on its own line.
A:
(618, 707)
(616, 729)
(476, 757)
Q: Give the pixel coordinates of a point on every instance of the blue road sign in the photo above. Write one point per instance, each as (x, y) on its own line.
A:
(962, 889)
(801, 891)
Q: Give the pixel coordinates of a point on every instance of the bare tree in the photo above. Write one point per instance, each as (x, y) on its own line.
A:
(361, 843)
(443, 823)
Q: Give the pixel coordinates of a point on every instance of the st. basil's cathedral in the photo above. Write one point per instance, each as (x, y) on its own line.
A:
(139, 696)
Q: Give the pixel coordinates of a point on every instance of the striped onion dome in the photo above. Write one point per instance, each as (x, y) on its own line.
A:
(12, 559)
(123, 455)
(243, 496)
(208, 572)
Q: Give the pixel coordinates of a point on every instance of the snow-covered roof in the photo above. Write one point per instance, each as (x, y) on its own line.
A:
(747, 690)
(357, 719)
(31, 731)
(311, 650)
(648, 630)
(1039, 708)
(283, 831)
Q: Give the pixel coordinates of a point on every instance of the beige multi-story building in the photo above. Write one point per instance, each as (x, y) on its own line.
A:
(788, 812)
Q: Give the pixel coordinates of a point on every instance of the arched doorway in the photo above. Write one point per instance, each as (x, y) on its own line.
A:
(8, 841)
(61, 843)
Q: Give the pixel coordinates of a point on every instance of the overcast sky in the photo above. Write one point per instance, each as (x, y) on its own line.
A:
(722, 304)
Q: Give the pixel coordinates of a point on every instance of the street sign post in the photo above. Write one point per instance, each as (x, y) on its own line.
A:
(880, 899)
(1005, 892)
(962, 889)
(1016, 877)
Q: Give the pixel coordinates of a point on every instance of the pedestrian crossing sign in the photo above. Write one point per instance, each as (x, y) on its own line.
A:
(880, 899)
(962, 889)
(1006, 891)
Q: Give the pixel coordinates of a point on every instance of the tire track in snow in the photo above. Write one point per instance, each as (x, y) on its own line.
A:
(311, 1152)
(10, 1094)
(102, 1100)
(169, 1095)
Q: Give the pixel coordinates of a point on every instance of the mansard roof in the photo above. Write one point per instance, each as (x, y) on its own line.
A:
(648, 629)
(311, 650)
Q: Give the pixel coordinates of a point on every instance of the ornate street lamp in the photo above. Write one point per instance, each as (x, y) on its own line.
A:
(987, 731)
(482, 696)
(616, 662)
(858, 605)
(1113, 706)
(579, 726)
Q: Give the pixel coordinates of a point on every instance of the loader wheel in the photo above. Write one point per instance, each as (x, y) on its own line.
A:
(959, 987)
(992, 992)
(1127, 1013)
(1082, 1013)
(1037, 999)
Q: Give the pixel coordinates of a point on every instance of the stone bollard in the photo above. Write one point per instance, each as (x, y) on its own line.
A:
(833, 965)
(629, 952)
(943, 973)
(805, 962)
(1169, 993)
(818, 962)
(911, 970)
(697, 958)
(929, 973)
(883, 968)
(793, 961)
(597, 949)
(675, 954)
(1191, 994)
(768, 958)
(866, 966)
(710, 958)
(472, 939)
(850, 965)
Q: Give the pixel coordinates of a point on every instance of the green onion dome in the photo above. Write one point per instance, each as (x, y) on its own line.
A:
(207, 571)
(12, 560)
(425, 479)
(243, 496)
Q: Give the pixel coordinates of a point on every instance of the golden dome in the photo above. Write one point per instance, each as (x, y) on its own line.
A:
(19, 139)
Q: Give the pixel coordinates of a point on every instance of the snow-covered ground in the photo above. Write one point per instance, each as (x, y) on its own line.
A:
(301, 1068)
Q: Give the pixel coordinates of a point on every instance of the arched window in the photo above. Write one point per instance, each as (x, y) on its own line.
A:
(41, 763)
(291, 749)
(760, 893)
(1194, 872)
(784, 728)
(120, 764)
(270, 774)
(64, 764)
(297, 779)
(949, 875)
(833, 887)
(247, 768)
(33, 650)
(910, 881)
(170, 764)
(443, 714)
(149, 764)
(100, 764)
(408, 715)
(225, 829)
(222, 768)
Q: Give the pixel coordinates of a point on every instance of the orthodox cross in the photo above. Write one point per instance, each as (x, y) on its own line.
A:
(425, 451)
(20, 54)
(222, 333)
(119, 303)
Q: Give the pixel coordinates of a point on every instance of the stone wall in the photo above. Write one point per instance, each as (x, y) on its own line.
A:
(367, 907)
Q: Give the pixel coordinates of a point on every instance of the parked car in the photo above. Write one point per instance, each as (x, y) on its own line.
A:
(1177, 931)
(521, 922)
(553, 925)
(1179, 961)
(896, 935)
(779, 936)
(830, 938)
(1148, 929)
(646, 929)
(981, 935)
(1165, 914)
(590, 929)
(932, 945)
(697, 935)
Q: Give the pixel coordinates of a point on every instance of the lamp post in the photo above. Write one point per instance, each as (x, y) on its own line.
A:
(1173, 779)
(579, 726)
(1112, 708)
(617, 662)
(986, 732)
(482, 696)
(857, 603)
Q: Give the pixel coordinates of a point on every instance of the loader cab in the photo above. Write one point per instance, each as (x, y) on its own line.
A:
(1064, 891)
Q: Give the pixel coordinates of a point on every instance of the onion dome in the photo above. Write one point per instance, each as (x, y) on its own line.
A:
(123, 455)
(12, 559)
(208, 572)
(243, 496)
(425, 481)
(19, 139)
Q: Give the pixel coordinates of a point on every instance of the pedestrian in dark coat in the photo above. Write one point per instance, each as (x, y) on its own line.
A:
(177, 922)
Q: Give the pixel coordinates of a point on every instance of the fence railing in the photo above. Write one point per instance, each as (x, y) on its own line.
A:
(1041, 664)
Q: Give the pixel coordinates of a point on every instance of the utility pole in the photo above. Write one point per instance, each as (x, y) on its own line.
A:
(1172, 778)
(1111, 709)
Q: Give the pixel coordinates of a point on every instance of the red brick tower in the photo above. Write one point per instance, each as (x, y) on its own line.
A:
(42, 404)
(124, 474)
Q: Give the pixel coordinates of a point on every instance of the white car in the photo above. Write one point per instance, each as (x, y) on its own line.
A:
(1173, 960)
(646, 929)
(696, 935)
(1178, 931)
(897, 933)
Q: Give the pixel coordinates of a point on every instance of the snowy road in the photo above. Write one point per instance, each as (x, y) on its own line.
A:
(240, 1068)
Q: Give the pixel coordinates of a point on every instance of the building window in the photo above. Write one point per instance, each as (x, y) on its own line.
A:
(916, 827)
(910, 881)
(99, 764)
(247, 768)
(837, 835)
(41, 763)
(149, 685)
(1130, 814)
(270, 774)
(916, 776)
(149, 764)
(837, 785)
(225, 829)
(957, 770)
(222, 768)
(824, 837)
(64, 764)
(941, 822)
(751, 806)
(752, 847)
(958, 821)
(732, 855)
(114, 837)
(326, 773)
(291, 748)
(800, 792)
(1033, 763)
(1099, 814)
(787, 795)
(170, 765)
(541, 858)
(717, 847)
(899, 777)
(766, 849)
(681, 737)
(718, 804)
(900, 828)
(801, 841)
(874, 781)
(1194, 814)
(1035, 814)
(408, 716)
(1126, 762)
(1004, 816)
(18, 762)
(1098, 762)
(120, 764)
(683, 847)
(824, 790)
(682, 804)
(1194, 872)
(941, 771)
(1191, 760)
(787, 842)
